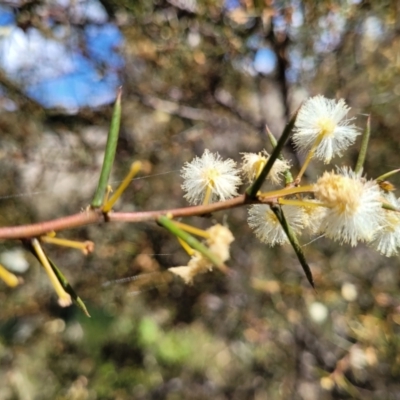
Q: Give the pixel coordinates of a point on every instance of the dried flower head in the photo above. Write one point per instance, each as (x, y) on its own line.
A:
(219, 241)
(354, 210)
(209, 178)
(198, 264)
(267, 227)
(253, 164)
(387, 239)
(323, 122)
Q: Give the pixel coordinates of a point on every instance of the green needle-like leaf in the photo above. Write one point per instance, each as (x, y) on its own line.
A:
(191, 241)
(255, 187)
(364, 146)
(294, 242)
(109, 154)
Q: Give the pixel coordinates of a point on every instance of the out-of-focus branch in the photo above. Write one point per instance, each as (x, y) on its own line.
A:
(227, 102)
(196, 114)
(280, 44)
(17, 94)
(170, 107)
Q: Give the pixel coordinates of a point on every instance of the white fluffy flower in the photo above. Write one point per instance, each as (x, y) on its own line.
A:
(313, 216)
(387, 239)
(253, 164)
(324, 121)
(267, 227)
(209, 178)
(354, 210)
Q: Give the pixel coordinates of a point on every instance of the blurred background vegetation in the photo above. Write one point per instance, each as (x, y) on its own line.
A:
(196, 74)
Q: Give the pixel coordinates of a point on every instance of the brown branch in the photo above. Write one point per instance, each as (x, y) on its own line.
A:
(59, 224)
(88, 217)
(180, 212)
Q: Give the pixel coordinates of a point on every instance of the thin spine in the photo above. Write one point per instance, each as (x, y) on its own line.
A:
(252, 191)
(272, 139)
(294, 242)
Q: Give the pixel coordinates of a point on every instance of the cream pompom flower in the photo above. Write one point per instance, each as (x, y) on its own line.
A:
(267, 227)
(322, 127)
(354, 209)
(253, 164)
(209, 178)
(313, 216)
(387, 239)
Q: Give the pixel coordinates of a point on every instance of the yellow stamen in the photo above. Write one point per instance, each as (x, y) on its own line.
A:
(186, 247)
(86, 247)
(64, 299)
(135, 168)
(9, 278)
(192, 229)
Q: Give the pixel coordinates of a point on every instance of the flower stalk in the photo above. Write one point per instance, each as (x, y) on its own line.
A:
(86, 247)
(135, 168)
(64, 299)
(8, 277)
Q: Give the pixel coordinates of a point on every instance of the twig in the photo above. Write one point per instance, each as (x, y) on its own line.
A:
(90, 216)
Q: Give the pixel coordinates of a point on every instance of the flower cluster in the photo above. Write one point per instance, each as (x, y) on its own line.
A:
(341, 205)
(210, 178)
